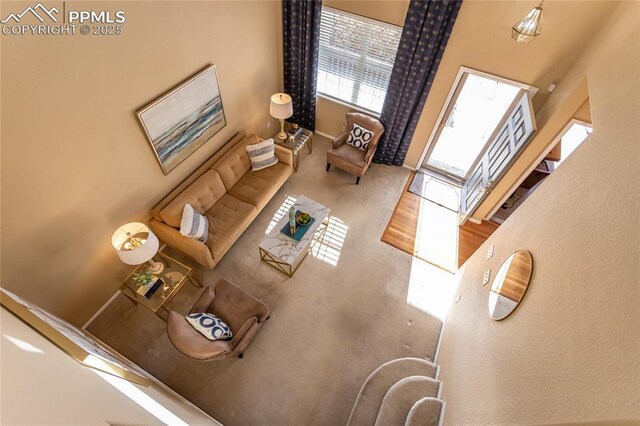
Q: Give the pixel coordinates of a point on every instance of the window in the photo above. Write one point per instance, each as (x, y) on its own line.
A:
(356, 58)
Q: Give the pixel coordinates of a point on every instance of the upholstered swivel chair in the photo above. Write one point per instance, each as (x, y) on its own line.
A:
(349, 158)
(243, 313)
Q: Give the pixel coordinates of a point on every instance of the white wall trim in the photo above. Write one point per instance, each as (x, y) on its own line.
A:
(441, 419)
(406, 166)
(326, 135)
(94, 316)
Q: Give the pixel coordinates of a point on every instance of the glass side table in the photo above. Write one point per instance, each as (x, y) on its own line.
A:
(174, 276)
(295, 145)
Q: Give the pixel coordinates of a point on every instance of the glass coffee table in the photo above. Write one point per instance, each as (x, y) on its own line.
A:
(283, 252)
(174, 276)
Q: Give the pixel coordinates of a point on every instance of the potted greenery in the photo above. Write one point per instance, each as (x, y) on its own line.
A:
(144, 278)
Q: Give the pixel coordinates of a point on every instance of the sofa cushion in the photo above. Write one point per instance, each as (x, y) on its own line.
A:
(235, 163)
(201, 194)
(258, 188)
(348, 156)
(229, 217)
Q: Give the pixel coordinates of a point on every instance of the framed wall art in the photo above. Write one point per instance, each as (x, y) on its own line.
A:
(182, 120)
(76, 343)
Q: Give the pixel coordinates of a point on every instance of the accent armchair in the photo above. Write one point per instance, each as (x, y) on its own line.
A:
(349, 158)
(243, 313)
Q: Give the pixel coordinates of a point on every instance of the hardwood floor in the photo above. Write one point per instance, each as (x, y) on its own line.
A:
(471, 236)
(401, 229)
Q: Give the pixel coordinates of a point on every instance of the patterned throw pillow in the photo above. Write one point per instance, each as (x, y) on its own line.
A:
(210, 326)
(193, 224)
(359, 137)
(262, 155)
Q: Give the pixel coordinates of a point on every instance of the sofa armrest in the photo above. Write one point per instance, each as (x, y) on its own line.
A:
(342, 138)
(372, 147)
(368, 157)
(188, 246)
(204, 301)
(284, 155)
(244, 332)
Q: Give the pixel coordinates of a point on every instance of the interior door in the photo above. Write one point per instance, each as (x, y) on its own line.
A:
(513, 135)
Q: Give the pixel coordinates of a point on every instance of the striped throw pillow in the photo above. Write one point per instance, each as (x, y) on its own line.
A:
(262, 155)
(193, 224)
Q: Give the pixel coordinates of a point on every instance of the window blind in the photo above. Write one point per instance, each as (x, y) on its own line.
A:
(356, 58)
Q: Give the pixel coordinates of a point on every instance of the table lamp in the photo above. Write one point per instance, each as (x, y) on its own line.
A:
(135, 244)
(281, 108)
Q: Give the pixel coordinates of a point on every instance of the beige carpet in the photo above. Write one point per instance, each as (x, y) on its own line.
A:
(343, 313)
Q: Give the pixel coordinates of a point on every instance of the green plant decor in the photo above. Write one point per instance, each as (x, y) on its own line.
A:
(144, 278)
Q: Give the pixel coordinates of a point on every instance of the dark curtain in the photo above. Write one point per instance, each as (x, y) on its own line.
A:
(301, 33)
(424, 37)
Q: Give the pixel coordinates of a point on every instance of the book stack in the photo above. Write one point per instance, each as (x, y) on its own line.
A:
(148, 290)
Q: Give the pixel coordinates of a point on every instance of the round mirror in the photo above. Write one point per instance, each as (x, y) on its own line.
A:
(510, 284)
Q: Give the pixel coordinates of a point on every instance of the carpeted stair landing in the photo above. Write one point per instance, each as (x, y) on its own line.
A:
(402, 392)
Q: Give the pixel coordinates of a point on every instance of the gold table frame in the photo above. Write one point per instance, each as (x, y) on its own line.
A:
(306, 138)
(137, 299)
(285, 267)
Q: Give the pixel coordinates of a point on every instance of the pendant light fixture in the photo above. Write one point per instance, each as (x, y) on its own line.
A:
(530, 27)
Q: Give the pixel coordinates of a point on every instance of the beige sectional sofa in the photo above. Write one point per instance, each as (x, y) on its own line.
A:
(227, 192)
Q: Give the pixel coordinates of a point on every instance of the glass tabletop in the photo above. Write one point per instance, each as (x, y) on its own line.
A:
(295, 144)
(171, 279)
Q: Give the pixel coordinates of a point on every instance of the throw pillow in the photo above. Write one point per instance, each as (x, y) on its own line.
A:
(262, 155)
(210, 326)
(359, 137)
(193, 224)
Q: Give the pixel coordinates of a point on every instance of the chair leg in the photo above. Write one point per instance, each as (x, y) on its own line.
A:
(241, 355)
(357, 180)
(328, 166)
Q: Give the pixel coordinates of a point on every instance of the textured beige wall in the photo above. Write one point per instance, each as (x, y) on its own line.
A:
(330, 114)
(571, 352)
(75, 163)
(584, 112)
(391, 11)
(31, 384)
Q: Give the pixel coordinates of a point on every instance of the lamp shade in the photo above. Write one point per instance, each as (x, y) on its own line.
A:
(135, 243)
(281, 106)
(530, 27)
